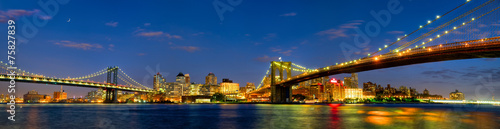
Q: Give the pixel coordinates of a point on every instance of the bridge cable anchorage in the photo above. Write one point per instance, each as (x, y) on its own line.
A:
(421, 27)
(442, 26)
(465, 23)
(128, 77)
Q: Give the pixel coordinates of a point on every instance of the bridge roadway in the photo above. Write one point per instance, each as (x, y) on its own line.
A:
(483, 48)
(70, 82)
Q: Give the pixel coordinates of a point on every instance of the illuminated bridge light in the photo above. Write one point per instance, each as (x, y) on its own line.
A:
(437, 17)
(429, 21)
(420, 26)
(446, 32)
(376, 58)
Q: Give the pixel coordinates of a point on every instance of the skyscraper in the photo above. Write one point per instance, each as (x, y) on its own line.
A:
(159, 82)
(211, 79)
(188, 79)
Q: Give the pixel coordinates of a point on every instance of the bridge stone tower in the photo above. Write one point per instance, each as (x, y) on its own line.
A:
(112, 77)
(280, 93)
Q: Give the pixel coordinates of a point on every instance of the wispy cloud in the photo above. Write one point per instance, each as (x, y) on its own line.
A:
(289, 14)
(158, 34)
(199, 34)
(340, 31)
(396, 32)
(270, 36)
(141, 54)
(147, 24)
(15, 13)
(265, 58)
(83, 46)
(150, 34)
(112, 24)
(284, 52)
(186, 48)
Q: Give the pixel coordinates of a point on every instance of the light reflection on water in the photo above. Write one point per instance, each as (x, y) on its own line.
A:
(253, 116)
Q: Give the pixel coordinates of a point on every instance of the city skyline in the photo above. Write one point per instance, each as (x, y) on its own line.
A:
(224, 47)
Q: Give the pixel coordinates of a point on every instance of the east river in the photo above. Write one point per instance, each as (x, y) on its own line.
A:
(227, 116)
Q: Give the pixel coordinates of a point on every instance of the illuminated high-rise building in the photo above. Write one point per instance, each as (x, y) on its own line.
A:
(188, 79)
(351, 82)
(211, 79)
(159, 82)
(181, 79)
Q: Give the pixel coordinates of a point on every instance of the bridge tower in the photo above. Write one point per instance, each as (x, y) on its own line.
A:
(112, 77)
(280, 93)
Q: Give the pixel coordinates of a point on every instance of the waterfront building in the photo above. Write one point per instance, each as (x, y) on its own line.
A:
(457, 95)
(60, 95)
(209, 90)
(211, 79)
(229, 88)
(353, 93)
(427, 96)
(194, 89)
(34, 97)
(249, 87)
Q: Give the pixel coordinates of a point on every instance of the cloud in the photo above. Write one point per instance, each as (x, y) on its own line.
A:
(187, 48)
(340, 31)
(265, 58)
(151, 33)
(333, 33)
(83, 46)
(147, 24)
(395, 32)
(270, 36)
(111, 47)
(158, 34)
(112, 24)
(284, 52)
(289, 14)
(199, 33)
(15, 13)
(482, 25)
(173, 36)
(304, 42)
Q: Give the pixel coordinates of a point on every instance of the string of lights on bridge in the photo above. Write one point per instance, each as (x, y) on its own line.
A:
(440, 27)
(420, 27)
(427, 34)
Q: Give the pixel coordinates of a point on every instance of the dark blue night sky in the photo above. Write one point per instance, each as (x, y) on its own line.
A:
(188, 36)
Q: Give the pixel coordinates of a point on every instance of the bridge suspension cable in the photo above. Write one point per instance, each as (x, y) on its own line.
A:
(421, 27)
(98, 73)
(132, 80)
(454, 28)
(264, 78)
(441, 26)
